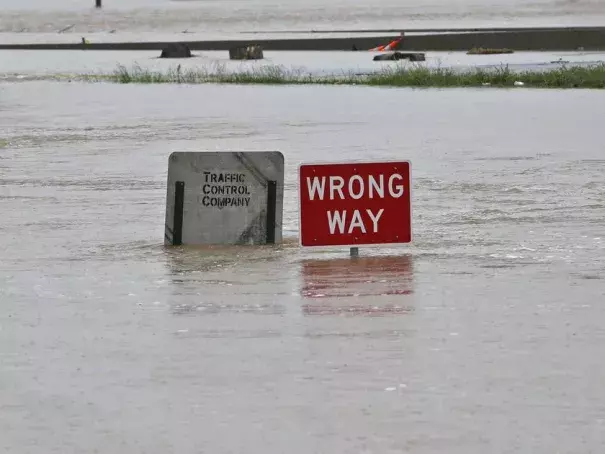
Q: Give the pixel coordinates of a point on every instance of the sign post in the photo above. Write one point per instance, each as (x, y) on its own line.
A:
(354, 204)
(224, 198)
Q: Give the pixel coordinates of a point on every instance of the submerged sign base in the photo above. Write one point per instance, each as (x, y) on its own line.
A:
(224, 198)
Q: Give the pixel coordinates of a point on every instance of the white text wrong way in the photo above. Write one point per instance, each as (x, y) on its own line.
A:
(340, 222)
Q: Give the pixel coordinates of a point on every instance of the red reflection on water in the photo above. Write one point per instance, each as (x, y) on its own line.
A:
(328, 309)
(357, 278)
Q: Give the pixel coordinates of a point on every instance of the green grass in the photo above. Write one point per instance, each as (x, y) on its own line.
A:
(396, 76)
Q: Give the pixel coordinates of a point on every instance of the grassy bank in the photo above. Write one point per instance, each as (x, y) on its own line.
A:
(398, 76)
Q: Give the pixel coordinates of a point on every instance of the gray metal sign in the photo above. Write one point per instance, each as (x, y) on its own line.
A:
(224, 198)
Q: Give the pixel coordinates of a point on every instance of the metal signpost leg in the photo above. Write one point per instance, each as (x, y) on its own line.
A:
(271, 210)
(177, 224)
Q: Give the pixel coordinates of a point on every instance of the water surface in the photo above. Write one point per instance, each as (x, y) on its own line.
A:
(39, 16)
(484, 335)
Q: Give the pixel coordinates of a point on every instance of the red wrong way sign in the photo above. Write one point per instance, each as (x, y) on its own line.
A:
(352, 204)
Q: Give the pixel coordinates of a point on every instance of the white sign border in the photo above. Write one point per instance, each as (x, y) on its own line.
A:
(340, 246)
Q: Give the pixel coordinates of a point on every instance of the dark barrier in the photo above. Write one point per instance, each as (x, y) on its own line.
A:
(523, 39)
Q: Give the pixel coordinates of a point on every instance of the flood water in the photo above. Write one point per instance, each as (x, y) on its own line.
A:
(204, 16)
(483, 335)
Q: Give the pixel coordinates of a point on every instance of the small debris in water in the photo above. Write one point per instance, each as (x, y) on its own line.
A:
(390, 389)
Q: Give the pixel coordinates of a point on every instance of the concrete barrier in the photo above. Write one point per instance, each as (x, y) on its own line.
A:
(526, 40)
(564, 39)
(481, 51)
(224, 198)
(246, 53)
(176, 50)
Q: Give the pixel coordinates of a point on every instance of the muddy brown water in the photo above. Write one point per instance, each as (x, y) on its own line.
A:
(484, 335)
(123, 16)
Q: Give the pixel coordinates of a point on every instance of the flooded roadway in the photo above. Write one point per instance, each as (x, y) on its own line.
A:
(160, 16)
(484, 335)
